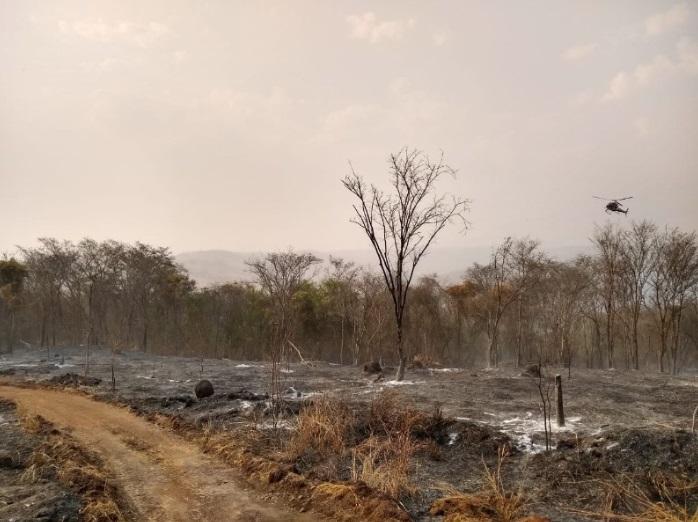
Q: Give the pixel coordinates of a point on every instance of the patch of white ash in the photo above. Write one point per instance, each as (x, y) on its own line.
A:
(452, 438)
(522, 429)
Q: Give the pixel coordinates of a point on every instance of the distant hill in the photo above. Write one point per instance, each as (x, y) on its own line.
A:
(208, 267)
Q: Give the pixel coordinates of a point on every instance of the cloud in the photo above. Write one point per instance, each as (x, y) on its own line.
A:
(642, 126)
(582, 98)
(368, 27)
(619, 87)
(685, 63)
(662, 22)
(687, 50)
(179, 57)
(439, 39)
(578, 52)
(141, 35)
(404, 111)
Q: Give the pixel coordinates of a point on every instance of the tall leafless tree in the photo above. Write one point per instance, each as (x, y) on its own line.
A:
(607, 241)
(674, 274)
(402, 225)
(637, 259)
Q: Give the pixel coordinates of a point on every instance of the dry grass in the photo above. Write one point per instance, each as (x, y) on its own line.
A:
(384, 464)
(493, 503)
(422, 360)
(664, 499)
(374, 445)
(323, 428)
(59, 456)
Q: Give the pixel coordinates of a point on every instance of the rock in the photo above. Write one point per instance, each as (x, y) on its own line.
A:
(8, 371)
(372, 367)
(203, 389)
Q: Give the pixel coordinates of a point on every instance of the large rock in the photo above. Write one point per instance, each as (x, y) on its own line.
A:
(203, 389)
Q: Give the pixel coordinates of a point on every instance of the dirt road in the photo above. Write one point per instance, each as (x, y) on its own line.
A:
(164, 477)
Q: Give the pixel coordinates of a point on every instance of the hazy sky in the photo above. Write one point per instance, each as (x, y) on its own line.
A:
(203, 125)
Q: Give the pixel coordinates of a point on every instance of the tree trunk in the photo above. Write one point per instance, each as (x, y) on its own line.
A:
(341, 345)
(636, 347)
(519, 327)
(560, 406)
(401, 355)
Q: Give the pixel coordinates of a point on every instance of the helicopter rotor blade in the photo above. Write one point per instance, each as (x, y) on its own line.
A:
(623, 199)
(598, 197)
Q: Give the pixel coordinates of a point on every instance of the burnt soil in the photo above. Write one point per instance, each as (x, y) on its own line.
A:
(620, 424)
(22, 499)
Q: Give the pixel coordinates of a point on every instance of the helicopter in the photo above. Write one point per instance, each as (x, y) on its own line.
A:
(615, 205)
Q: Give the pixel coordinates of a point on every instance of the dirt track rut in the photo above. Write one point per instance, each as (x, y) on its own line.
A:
(163, 477)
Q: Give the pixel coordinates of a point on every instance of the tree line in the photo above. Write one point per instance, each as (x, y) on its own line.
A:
(633, 303)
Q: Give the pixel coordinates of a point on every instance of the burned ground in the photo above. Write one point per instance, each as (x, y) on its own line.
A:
(23, 497)
(622, 426)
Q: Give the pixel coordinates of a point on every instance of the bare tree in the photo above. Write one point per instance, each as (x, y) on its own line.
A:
(674, 274)
(526, 262)
(607, 241)
(501, 283)
(280, 275)
(637, 260)
(403, 224)
(340, 286)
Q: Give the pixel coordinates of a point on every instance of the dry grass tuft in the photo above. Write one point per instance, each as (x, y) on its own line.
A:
(336, 492)
(664, 500)
(421, 361)
(493, 503)
(384, 464)
(323, 428)
(59, 456)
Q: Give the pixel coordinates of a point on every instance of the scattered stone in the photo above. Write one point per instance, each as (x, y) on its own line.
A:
(203, 389)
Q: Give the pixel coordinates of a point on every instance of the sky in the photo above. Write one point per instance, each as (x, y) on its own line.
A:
(229, 125)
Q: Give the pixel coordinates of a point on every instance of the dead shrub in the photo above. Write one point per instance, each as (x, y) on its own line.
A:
(493, 503)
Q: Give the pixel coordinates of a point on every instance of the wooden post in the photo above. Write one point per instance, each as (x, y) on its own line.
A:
(113, 377)
(560, 408)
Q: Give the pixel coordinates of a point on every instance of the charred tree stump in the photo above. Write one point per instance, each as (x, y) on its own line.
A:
(560, 407)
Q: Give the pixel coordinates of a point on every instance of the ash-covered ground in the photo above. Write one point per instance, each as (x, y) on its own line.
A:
(618, 422)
